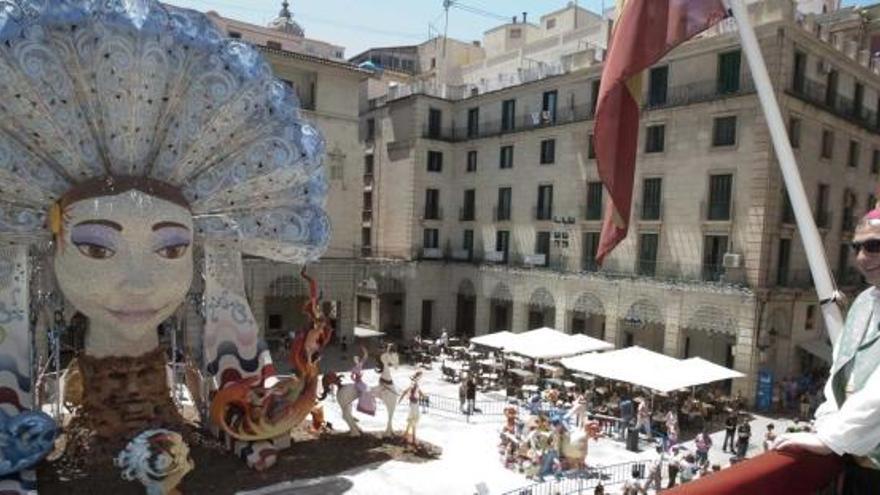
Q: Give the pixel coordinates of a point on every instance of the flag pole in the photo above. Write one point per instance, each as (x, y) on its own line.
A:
(815, 251)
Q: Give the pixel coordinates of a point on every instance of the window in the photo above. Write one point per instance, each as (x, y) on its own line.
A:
(432, 204)
(551, 23)
(548, 107)
(274, 45)
(875, 161)
(658, 86)
(435, 118)
(647, 254)
(827, 144)
(590, 250)
(787, 211)
(651, 198)
(594, 200)
(544, 210)
(858, 100)
(468, 210)
(548, 151)
(467, 242)
(714, 247)
(655, 136)
(368, 200)
(515, 33)
(364, 310)
(505, 157)
(431, 239)
(848, 219)
(473, 122)
(235, 35)
(810, 320)
(594, 95)
(794, 132)
(719, 196)
(800, 71)
(366, 236)
(368, 164)
(427, 315)
(870, 203)
(275, 321)
(472, 161)
(542, 245)
(853, 156)
(783, 261)
(724, 131)
(502, 244)
(502, 209)
(508, 115)
(831, 88)
(435, 161)
(728, 72)
(433, 62)
(823, 217)
(371, 130)
(842, 263)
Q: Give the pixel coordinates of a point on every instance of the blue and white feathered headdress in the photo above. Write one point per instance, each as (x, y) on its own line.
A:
(95, 89)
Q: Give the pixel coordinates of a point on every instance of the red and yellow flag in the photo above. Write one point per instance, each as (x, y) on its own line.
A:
(644, 32)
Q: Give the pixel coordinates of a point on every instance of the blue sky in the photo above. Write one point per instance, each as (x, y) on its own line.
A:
(360, 24)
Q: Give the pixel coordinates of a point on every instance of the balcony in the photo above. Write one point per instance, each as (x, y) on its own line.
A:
(650, 212)
(542, 213)
(814, 93)
(432, 253)
(435, 213)
(769, 474)
(367, 218)
(368, 182)
(716, 211)
(699, 92)
(533, 120)
(466, 214)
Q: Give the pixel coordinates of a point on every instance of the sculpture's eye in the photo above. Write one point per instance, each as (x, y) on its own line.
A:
(94, 251)
(173, 252)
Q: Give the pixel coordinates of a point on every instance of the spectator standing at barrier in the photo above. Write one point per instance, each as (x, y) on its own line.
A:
(462, 395)
(643, 417)
(634, 485)
(743, 435)
(703, 443)
(655, 471)
(471, 394)
(687, 468)
(626, 414)
(730, 432)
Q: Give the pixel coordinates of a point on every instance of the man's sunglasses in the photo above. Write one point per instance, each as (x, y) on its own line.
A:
(871, 246)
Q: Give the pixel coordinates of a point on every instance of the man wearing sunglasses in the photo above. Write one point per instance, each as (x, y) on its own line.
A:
(848, 422)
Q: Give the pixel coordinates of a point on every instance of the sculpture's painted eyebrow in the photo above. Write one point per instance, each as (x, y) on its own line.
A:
(105, 223)
(162, 225)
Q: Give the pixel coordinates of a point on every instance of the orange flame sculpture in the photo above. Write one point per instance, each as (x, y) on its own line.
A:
(248, 410)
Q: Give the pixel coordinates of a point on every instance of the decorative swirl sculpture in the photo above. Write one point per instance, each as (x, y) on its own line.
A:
(250, 410)
(159, 459)
(25, 439)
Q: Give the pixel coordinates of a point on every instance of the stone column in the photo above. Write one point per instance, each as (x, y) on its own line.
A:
(482, 318)
(672, 332)
(520, 317)
(561, 324)
(745, 351)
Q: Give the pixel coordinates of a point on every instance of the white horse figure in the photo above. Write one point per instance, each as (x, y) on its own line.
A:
(385, 391)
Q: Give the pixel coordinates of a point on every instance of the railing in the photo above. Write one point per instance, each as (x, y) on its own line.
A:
(433, 213)
(650, 212)
(585, 481)
(466, 214)
(717, 211)
(803, 279)
(815, 93)
(366, 216)
(771, 473)
(699, 92)
(501, 214)
(542, 213)
(492, 128)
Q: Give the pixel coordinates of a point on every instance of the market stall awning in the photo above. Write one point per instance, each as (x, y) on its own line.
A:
(650, 369)
(819, 348)
(366, 333)
(497, 340)
(547, 343)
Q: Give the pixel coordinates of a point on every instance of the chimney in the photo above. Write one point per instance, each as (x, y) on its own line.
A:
(476, 43)
(514, 19)
(524, 17)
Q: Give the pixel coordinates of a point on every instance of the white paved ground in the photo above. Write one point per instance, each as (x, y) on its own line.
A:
(469, 452)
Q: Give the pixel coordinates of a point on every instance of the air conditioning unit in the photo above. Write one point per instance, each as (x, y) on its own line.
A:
(732, 260)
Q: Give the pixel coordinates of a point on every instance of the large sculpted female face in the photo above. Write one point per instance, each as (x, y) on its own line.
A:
(125, 261)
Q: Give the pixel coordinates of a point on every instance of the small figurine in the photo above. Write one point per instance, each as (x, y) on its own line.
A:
(414, 393)
(159, 459)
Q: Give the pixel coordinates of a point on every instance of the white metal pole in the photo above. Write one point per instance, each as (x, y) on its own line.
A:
(785, 156)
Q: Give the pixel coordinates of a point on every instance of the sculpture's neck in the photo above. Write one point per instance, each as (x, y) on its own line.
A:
(103, 341)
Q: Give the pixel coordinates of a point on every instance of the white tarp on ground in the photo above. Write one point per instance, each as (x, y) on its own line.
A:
(547, 343)
(366, 333)
(649, 369)
(497, 340)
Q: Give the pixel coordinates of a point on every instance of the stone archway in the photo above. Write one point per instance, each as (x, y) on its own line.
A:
(710, 333)
(500, 308)
(542, 309)
(380, 305)
(285, 297)
(643, 325)
(587, 316)
(465, 309)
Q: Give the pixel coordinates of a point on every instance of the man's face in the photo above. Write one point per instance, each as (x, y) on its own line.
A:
(868, 262)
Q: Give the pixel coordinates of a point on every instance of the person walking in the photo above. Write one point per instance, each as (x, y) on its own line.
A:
(703, 443)
(743, 435)
(729, 431)
(673, 467)
(462, 395)
(471, 394)
(643, 418)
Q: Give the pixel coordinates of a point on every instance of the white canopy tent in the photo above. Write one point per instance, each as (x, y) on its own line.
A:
(497, 340)
(649, 369)
(547, 343)
(366, 333)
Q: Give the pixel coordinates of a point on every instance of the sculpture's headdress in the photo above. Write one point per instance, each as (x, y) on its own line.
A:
(121, 91)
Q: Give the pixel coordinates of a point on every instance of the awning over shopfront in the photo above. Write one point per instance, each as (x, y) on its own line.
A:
(497, 340)
(819, 348)
(649, 369)
(547, 343)
(367, 333)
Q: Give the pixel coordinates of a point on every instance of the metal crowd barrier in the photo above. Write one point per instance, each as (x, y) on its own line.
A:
(585, 481)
